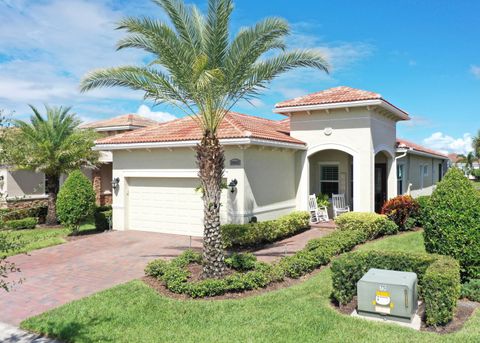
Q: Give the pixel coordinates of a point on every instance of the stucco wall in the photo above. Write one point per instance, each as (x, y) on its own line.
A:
(360, 132)
(270, 188)
(20, 183)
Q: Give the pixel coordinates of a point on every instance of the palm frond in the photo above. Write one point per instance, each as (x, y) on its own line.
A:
(217, 31)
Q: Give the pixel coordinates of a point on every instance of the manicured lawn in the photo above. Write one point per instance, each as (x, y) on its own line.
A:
(135, 313)
(41, 237)
(409, 241)
(476, 184)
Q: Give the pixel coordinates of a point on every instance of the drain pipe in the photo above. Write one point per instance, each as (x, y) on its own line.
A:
(405, 150)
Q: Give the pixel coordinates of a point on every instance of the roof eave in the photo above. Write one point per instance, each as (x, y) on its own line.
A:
(423, 153)
(193, 143)
(402, 115)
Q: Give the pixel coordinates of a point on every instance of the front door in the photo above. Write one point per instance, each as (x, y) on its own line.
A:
(380, 185)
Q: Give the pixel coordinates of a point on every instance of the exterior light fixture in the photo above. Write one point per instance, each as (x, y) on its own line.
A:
(233, 185)
(115, 183)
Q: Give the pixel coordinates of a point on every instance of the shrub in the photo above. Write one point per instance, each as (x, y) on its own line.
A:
(21, 213)
(452, 225)
(103, 220)
(421, 216)
(471, 290)
(399, 210)
(76, 200)
(243, 235)
(438, 278)
(241, 262)
(372, 224)
(21, 224)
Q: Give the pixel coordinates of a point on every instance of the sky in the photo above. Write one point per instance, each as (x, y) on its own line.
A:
(423, 56)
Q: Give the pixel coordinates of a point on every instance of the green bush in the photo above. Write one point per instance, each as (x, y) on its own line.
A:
(103, 220)
(253, 275)
(372, 224)
(75, 201)
(7, 214)
(243, 235)
(452, 225)
(421, 216)
(21, 224)
(438, 278)
(471, 290)
(241, 262)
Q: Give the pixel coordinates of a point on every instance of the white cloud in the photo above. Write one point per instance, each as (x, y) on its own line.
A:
(475, 70)
(145, 111)
(448, 144)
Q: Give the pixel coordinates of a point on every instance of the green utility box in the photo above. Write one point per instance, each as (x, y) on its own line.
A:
(388, 293)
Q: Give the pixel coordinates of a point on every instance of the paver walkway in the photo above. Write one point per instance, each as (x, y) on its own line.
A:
(56, 275)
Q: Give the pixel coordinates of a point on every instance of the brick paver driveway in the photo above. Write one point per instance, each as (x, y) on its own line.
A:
(57, 275)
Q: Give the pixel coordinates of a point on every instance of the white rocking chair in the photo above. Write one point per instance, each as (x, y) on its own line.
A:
(317, 214)
(339, 205)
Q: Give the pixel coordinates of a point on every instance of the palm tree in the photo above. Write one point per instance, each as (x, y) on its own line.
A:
(53, 145)
(476, 144)
(468, 160)
(199, 69)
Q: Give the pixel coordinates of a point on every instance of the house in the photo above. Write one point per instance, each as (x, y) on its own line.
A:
(459, 162)
(22, 188)
(102, 175)
(340, 140)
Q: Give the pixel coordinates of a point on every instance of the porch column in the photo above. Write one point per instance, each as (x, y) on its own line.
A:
(303, 181)
(392, 178)
(363, 182)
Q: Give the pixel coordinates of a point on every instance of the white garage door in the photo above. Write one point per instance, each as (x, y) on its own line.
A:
(168, 205)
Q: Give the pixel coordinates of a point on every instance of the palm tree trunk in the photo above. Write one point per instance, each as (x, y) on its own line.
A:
(52, 186)
(211, 163)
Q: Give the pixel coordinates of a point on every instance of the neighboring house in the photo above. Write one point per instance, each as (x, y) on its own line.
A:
(22, 187)
(102, 175)
(341, 140)
(456, 161)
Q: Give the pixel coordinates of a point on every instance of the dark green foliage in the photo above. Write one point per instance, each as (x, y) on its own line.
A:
(76, 200)
(439, 278)
(21, 224)
(241, 262)
(421, 215)
(20, 213)
(243, 235)
(103, 220)
(452, 225)
(253, 275)
(471, 290)
(372, 224)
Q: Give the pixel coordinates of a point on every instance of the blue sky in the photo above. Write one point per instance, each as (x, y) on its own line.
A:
(423, 56)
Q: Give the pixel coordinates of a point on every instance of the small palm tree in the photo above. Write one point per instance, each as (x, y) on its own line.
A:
(476, 145)
(53, 145)
(201, 70)
(468, 159)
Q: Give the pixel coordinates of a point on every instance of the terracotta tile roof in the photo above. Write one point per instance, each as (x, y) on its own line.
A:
(123, 120)
(417, 147)
(330, 96)
(235, 125)
(453, 157)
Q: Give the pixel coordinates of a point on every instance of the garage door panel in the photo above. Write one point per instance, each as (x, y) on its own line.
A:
(169, 205)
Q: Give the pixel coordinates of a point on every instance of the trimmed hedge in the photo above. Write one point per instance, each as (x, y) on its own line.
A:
(21, 213)
(245, 235)
(452, 225)
(21, 224)
(438, 278)
(318, 252)
(421, 216)
(471, 290)
(373, 224)
(102, 219)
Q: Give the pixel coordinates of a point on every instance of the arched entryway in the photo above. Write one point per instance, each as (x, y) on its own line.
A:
(383, 165)
(332, 172)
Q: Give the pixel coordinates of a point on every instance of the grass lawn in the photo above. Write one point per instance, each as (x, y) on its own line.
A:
(476, 184)
(409, 241)
(41, 237)
(133, 312)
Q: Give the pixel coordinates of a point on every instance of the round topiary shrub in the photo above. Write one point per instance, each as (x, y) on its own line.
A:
(400, 209)
(452, 222)
(75, 201)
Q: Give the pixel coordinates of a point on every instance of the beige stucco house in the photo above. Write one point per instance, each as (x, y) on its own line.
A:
(340, 140)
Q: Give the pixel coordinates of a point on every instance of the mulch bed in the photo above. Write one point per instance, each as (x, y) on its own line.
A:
(464, 311)
(196, 271)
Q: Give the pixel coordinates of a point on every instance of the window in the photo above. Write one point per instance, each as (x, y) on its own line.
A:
(400, 178)
(329, 179)
(425, 170)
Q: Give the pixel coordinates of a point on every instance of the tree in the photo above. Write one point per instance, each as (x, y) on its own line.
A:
(468, 160)
(199, 69)
(53, 145)
(76, 200)
(476, 145)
